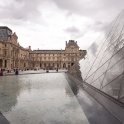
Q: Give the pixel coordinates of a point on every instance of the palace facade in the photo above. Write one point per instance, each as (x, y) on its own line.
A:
(13, 55)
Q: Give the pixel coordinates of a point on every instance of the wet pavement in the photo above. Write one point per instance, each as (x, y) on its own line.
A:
(49, 98)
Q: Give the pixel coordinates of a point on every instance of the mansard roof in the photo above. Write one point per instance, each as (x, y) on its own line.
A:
(72, 43)
(48, 51)
(5, 27)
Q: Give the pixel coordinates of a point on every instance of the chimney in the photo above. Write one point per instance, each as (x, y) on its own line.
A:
(66, 43)
(29, 47)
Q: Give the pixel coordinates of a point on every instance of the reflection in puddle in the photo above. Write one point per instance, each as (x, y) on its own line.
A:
(39, 99)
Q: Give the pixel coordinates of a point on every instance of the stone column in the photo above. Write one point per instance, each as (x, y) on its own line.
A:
(13, 64)
(9, 64)
(66, 65)
(3, 63)
(18, 64)
(61, 66)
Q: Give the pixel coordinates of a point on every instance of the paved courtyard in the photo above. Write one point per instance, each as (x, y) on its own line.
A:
(48, 98)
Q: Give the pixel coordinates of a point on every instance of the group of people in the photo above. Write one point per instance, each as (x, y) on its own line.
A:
(47, 70)
(3, 71)
(16, 72)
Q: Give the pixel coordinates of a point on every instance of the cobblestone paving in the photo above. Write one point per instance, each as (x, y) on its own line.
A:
(39, 99)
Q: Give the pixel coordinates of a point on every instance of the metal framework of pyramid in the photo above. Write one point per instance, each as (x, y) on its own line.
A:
(103, 66)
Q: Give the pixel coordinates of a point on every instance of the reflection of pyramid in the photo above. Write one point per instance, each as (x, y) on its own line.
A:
(103, 66)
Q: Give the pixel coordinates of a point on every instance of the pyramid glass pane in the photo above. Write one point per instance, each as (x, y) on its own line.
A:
(104, 61)
(113, 88)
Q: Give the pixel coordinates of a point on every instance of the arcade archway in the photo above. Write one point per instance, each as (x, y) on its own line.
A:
(1, 63)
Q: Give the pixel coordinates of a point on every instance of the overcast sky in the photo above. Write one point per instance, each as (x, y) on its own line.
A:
(47, 24)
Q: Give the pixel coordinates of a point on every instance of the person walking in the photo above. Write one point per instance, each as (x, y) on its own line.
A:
(16, 72)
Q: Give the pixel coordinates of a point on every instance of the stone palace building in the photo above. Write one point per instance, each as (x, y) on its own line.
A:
(13, 55)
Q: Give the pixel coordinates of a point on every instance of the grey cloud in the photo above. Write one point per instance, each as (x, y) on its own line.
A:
(101, 12)
(75, 32)
(72, 30)
(20, 10)
(92, 9)
(84, 7)
(98, 22)
(28, 10)
(98, 26)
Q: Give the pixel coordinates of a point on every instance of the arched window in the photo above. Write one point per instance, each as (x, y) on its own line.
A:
(64, 65)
